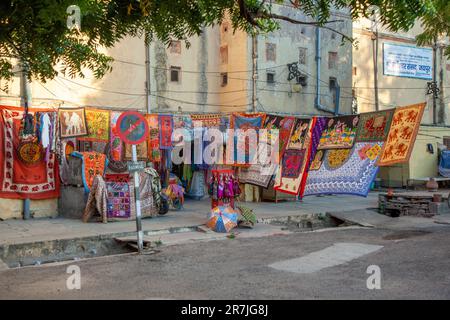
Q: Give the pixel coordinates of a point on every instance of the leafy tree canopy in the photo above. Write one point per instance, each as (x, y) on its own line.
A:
(36, 33)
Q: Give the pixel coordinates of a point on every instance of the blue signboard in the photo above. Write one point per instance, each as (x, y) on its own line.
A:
(407, 61)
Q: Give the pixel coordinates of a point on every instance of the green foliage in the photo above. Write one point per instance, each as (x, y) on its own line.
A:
(36, 32)
(436, 24)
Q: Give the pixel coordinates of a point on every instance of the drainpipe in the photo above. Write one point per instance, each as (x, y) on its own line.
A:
(318, 105)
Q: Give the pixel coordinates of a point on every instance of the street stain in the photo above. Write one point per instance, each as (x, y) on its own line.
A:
(337, 254)
(405, 234)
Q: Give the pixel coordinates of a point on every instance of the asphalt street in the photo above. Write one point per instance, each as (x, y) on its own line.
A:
(413, 265)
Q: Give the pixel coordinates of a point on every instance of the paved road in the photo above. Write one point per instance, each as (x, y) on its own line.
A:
(415, 267)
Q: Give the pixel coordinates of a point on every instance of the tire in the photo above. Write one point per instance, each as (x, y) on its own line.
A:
(176, 203)
(164, 208)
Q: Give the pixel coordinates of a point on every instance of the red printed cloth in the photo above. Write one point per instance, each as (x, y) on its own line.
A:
(19, 180)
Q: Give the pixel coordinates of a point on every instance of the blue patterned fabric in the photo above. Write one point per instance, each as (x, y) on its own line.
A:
(444, 164)
(354, 176)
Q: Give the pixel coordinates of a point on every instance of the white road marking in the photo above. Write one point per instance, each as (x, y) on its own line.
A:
(337, 254)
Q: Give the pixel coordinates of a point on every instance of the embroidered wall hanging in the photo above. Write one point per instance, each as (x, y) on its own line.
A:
(30, 152)
(291, 175)
(118, 204)
(141, 151)
(374, 126)
(19, 180)
(165, 131)
(293, 163)
(183, 124)
(317, 161)
(336, 158)
(154, 153)
(72, 122)
(244, 122)
(206, 120)
(299, 134)
(402, 135)
(354, 176)
(94, 163)
(319, 126)
(340, 132)
(98, 125)
(116, 150)
(284, 125)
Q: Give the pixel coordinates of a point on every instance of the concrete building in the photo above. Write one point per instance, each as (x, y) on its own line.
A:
(394, 90)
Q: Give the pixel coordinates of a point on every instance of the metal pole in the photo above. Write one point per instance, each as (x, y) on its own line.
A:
(254, 70)
(434, 83)
(25, 101)
(147, 76)
(137, 198)
(375, 68)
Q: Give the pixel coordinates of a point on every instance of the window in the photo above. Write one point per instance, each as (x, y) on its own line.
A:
(224, 77)
(332, 60)
(175, 74)
(447, 142)
(224, 54)
(302, 55)
(271, 52)
(355, 71)
(302, 80)
(270, 77)
(175, 46)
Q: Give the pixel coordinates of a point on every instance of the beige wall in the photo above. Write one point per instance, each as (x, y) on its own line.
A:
(393, 91)
(286, 96)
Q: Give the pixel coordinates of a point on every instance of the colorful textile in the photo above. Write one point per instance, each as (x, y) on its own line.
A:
(165, 131)
(141, 151)
(291, 175)
(284, 125)
(444, 164)
(244, 122)
(98, 122)
(299, 134)
(321, 123)
(72, 122)
(18, 179)
(148, 206)
(206, 120)
(97, 200)
(67, 146)
(94, 163)
(317, 160)
(183, 123)
(154, 153)
(352, 176)
(259, 174)
(119, 200)
(336, 158)
(374, 126)
(402, 135)
(340, 132)
(116, 150)
(293, 163)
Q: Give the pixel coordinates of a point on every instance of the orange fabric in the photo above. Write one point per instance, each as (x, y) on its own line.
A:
(18, 180)
(402, 135)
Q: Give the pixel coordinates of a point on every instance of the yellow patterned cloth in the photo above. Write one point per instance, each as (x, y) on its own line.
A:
(98, 125)
(402, 135)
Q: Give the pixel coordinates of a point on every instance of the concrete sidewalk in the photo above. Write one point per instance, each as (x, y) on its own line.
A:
(193, 215)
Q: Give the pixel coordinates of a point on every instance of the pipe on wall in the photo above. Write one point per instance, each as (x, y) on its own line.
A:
(318, 105)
